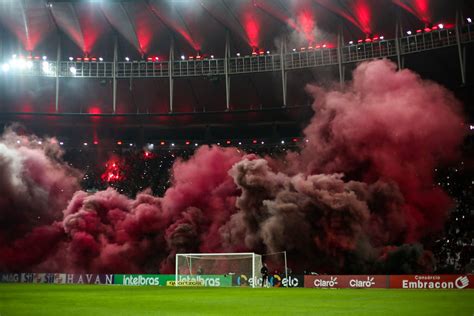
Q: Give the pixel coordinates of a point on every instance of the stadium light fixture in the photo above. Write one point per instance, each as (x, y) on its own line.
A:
(127, 58)
(212, 56)
(85, 144)
(240, 143)
(73, 70)
(61, 143)
(283, 142)
(101, 59)
(268, 52)
(294, 49)
(351, 42)
(172, 144)
(441, 26)
(409, 32)
(45, 57)
(196, 144)
(40, 142)
(183, 57)
(238, 54)
(469, 20)
(71, 58)
(382, 37)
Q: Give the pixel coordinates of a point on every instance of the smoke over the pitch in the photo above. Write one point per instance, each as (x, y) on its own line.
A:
(359, 197)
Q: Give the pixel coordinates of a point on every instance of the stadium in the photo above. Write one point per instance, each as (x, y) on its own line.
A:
(236, 156)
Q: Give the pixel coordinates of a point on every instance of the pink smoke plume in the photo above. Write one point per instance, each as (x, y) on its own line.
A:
(357, 198)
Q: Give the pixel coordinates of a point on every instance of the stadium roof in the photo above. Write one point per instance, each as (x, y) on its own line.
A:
(146, 27)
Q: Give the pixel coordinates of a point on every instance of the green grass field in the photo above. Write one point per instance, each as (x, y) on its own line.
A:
(41, 299)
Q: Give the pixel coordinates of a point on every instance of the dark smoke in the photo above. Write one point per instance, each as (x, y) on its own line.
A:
(359, 197)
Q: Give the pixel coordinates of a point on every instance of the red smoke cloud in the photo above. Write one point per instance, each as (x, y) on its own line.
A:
(354, 200)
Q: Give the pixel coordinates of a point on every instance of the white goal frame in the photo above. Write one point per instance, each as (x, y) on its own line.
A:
(253, 255)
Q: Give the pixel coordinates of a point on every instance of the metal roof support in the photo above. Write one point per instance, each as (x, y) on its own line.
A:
(397, 45)
(284, 77)
(170, 70)
(339, 56)
(114, 74)
(462, 61)
(226, 70)
(58, 62)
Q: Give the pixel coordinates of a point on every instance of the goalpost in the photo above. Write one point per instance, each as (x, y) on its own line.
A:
(190, 266)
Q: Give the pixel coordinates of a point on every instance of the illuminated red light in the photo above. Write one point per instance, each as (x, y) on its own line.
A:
(227, 142)
(427, 29)
(295, 140)
(318, 46)
(254, 53)
(375, 38)
(119, 142)
(360, 41)
(261, 52)
(303, 48)
(96, 142)
(187, 142)
(254, 141)
(79, 59)
(367, 40)
(198, 57)
(162, 143)
(150, 59)
(191, 57)
(93, 59)
(310, 47)
(418, 31)
(37, 57)
(434, 28)
(86, 58)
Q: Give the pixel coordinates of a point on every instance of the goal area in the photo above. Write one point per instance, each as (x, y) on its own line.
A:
(195, 267)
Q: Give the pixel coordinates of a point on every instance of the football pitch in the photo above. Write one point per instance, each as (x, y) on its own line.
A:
(42, 299)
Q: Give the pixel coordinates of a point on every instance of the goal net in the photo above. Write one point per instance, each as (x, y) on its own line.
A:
(207, 269)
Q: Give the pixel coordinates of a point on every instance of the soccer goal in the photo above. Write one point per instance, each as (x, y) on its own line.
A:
(200, 267)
